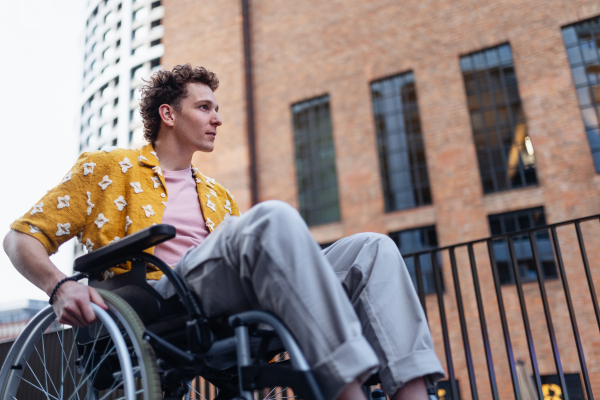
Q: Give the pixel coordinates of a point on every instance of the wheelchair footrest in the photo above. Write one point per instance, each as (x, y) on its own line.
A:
(260, 376)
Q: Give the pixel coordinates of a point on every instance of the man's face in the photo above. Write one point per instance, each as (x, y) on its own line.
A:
(196, 122)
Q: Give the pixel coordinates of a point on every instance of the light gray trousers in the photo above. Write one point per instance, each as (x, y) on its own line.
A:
(267, 259)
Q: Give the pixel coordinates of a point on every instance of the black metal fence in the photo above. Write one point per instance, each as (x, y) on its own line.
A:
(480, 294)
(562, 237)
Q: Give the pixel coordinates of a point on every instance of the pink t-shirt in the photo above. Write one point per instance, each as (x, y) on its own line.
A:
(184, 213)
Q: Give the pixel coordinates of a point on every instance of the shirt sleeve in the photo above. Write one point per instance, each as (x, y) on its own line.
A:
(62, 212)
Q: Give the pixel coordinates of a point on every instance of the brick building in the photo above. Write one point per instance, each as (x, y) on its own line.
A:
(14, 316)
(437, 122)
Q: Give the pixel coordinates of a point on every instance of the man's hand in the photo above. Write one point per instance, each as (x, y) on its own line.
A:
(72, 304)
(72, 300)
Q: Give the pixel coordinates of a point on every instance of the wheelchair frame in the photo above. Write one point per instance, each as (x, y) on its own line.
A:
(179, 364)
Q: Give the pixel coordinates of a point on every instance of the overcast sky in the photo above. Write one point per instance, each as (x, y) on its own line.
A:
(41, 74)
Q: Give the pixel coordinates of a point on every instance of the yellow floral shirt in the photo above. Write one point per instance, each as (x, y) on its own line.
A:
(110, 194)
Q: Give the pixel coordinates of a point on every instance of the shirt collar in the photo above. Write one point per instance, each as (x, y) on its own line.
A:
(149, 158)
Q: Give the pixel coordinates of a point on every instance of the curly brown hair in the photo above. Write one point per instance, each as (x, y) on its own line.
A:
(169, 87)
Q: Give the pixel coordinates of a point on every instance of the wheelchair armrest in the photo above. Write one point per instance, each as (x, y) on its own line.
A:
(133, 243)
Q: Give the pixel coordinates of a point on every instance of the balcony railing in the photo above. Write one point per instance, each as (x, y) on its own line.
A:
(468, 259)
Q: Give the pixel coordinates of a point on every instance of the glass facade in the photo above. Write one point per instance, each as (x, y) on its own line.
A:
(400, 143)
(513, 222)
(504, 150)
(582, 42)
(315, 162)
(413, 240)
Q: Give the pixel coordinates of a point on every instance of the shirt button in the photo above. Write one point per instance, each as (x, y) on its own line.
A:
(162, 195)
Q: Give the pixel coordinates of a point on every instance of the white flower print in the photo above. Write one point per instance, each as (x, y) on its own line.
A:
(127, 223)
(140, 158)
(210, 224)
(38, 208)
(89, 203)
(88, 168)
(148, 210)
(213, 192)
(154, 154)
(109, 149)
(63, 202)
(33, 229)
(164, 203)
(137, 187)
(105, 182)
(230, 195)
(198, 180)
(156, 181)
(89, 245)
(101, 220)
(120, 203)
(194, 170)
(210, 205)
(227, 206)
(157, 170)
(63, 229)
(108, 274)
(125, 164)
(80, 236)
(116, 239)
(67, 177)
(210, 181)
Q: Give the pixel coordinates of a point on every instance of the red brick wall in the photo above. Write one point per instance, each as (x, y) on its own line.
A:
(309, 48)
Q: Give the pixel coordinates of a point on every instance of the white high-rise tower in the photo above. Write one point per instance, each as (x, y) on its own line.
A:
(122, 46)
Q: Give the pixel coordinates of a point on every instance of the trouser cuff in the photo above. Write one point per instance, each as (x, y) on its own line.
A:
(353, 360)
(421, 363)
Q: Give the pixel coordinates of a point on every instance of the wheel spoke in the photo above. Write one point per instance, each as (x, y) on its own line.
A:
(275, 395)
(282, 357)
(36, 378)
(64, 359)
(82, 381)
(46, 373)
(40, 388)
(94, 372)
(190, 386)
(94, 356)
(272, 390)
(112, 389)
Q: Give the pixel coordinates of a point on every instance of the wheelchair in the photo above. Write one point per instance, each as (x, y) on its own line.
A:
(150, 348)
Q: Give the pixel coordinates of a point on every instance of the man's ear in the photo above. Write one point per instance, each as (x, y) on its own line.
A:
(166, 113)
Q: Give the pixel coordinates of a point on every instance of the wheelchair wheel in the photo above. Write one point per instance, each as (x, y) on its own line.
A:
(107, 360)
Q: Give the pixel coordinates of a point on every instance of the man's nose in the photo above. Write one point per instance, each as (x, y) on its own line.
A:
(217, 120)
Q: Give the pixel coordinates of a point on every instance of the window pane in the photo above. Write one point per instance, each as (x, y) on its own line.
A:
(497, 115)
(413, 240)
(400, 143)
(505, 223)
(315, 161)
(582, 42)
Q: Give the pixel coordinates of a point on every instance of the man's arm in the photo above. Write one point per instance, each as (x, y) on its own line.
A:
(72, 301)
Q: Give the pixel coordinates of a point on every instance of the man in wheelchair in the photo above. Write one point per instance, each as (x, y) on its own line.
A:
(351, 307)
